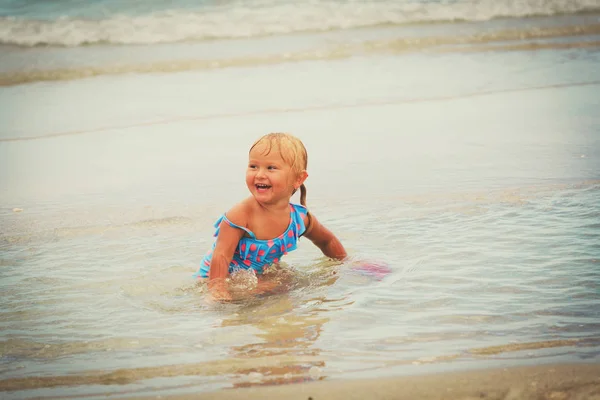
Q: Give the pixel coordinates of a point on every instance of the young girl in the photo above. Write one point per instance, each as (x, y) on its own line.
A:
(258, 231)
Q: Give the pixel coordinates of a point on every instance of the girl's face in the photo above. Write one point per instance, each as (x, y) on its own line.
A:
(269, 178)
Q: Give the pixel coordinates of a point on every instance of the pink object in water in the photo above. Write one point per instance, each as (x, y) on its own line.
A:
(376, 270)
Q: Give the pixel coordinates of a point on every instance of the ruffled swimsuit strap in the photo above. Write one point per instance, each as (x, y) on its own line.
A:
(298, 213)
(224, 218)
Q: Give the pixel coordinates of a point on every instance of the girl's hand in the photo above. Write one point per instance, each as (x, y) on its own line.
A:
(219, 290)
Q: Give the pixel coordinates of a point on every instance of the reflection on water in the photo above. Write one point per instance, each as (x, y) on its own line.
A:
(283, 330)
(280, 309)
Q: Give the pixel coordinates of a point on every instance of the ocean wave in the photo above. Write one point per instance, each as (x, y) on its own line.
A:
(503, 40)
(265, 19)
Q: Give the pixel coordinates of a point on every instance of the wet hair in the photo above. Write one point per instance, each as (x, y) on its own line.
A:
(292, 151)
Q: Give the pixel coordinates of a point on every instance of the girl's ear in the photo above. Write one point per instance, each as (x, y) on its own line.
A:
(300, 179)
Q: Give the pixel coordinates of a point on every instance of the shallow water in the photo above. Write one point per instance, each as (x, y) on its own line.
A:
(471, 179)
(507, 276)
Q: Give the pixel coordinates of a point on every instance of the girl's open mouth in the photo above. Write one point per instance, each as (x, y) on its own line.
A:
(262, 187)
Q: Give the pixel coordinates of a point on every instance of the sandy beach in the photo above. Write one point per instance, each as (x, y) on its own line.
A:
(547, 382)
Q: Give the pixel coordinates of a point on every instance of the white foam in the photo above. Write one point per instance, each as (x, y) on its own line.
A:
(267, 18)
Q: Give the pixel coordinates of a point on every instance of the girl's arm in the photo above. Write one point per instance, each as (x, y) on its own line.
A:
(324, 239)
(227, 241)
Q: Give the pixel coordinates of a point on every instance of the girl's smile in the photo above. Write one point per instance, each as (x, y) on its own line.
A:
(262, 188)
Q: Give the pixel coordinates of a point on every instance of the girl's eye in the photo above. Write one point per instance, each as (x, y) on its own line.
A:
(252, 166)
(271, 167)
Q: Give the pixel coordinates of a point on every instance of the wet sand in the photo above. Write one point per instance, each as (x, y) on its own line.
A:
(551, 382)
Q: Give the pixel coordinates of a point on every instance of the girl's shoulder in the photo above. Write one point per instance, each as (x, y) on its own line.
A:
(240, 213)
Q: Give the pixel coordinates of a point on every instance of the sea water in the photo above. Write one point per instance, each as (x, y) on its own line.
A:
(454, 144)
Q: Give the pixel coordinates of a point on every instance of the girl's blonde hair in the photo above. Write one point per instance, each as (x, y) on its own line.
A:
(292, 151)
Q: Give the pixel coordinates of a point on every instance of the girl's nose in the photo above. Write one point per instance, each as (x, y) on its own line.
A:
(260, 172)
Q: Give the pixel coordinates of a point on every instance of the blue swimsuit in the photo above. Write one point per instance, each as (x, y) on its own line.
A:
(256, 254)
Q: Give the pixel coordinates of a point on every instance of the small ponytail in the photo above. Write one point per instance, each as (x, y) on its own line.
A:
(303, 195)
(303, 202)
